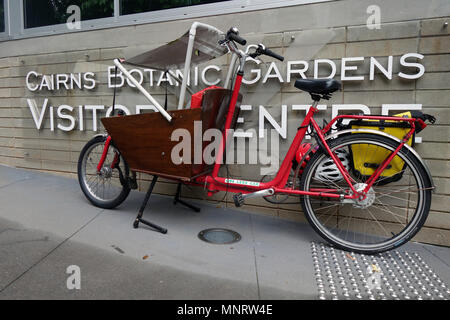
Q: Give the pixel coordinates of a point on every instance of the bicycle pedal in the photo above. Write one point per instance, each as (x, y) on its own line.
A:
(238, 199)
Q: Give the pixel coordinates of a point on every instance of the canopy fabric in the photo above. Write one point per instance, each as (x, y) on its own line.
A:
(173, 54)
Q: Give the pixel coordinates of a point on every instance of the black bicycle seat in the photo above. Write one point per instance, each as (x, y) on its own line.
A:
(318, 86)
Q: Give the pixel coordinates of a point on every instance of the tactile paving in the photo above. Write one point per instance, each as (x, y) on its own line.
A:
(398, 275)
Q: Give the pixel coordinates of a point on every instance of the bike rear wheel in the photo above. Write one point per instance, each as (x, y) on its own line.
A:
(104, 189)
(392, 212)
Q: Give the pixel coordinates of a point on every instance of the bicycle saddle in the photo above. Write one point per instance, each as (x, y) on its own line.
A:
(318, 86)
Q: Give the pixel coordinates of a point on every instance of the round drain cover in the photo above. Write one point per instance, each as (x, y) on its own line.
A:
(219, 236)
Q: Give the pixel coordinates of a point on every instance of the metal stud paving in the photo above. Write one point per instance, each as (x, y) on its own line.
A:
(390, 275)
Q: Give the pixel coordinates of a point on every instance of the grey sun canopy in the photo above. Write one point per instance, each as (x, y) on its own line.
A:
(173, 54)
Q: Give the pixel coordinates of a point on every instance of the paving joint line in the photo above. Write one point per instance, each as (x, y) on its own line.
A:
(436, 256)
(254, 256)
(17, 181)
(50, 252)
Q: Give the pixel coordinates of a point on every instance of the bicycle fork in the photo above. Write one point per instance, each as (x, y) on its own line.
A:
(105, 152)
(115, 165)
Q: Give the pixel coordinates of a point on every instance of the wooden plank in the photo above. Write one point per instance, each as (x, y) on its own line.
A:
(145, 139)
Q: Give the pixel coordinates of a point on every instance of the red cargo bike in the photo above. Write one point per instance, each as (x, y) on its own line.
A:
(361, 188)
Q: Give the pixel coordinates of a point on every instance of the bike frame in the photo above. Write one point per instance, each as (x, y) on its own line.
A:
(213, 183)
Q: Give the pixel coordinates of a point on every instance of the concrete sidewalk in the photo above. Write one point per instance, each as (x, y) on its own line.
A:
(46, 225)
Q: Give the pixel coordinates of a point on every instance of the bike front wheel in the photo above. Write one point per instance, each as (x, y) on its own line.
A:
(395, 208)
(105, 189)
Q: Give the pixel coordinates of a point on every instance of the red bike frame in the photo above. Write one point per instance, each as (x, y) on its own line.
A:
(214, 183)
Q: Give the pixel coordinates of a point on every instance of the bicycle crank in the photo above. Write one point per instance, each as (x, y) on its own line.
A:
(239, 198)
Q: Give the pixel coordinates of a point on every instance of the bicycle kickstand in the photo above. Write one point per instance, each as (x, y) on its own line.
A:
(187, 204)
(141, 210)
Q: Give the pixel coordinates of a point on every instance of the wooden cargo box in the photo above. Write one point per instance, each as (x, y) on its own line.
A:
(144, 140)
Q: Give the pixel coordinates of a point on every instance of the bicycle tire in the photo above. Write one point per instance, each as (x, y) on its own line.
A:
(411, 228)
(122, 191)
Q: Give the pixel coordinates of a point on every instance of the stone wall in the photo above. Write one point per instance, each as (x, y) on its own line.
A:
(332, 30)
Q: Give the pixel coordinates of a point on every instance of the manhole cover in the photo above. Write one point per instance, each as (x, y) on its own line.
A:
(219, 236)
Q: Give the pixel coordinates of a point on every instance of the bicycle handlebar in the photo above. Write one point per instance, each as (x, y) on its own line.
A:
(237, 39)
(233, 34)
(272, 54)
(262, 50)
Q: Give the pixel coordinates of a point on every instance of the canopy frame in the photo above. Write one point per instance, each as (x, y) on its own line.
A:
(187, 64)
(186, 72)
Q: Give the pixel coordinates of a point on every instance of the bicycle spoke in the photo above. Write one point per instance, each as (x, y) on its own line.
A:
(392, 197)
(392, 213)
(332, 206)
(106, 185)
(392, 206)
